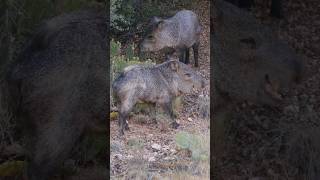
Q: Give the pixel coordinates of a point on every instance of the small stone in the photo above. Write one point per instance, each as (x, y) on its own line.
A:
(168, 158)
(152, 159)
(165, 148)
(156, 146)
(173, 151)
(129, 156)
(190, 119)
(118, 156)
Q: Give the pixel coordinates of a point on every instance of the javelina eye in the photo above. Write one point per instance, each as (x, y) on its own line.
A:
(150, 37)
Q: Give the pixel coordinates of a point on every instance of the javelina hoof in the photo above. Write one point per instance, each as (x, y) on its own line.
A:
(121, 132)
(175, 125)
(126, 127)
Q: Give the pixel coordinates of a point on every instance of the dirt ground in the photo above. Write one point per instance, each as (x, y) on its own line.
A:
(150, 150)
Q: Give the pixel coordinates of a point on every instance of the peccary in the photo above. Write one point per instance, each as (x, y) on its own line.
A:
(57, 87)
(249, 62)
(179, 33)
(156, 84)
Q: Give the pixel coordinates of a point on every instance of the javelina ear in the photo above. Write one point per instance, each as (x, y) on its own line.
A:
(156, 19)
(174, 65)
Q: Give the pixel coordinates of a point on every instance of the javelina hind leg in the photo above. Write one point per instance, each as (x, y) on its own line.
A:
(125, 109)
(195, 48)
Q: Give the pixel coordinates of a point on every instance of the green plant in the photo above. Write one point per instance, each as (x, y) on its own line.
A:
(194, 143)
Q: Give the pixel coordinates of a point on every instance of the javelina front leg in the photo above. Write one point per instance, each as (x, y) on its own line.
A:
(168, 108)
(51, 149)
(187, 56)
(195, 48)
(182, 54)
(153, 112)
(169, 53)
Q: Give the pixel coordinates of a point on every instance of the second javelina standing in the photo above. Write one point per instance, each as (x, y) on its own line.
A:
(157, 84)
(179, 33)
(250, 62)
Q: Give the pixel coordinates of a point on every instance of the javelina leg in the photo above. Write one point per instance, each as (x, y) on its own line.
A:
(187, 56)
(181, 55)
(168, 108)
(195, 48)
(125, 109)
(169, 53)
(153, 112)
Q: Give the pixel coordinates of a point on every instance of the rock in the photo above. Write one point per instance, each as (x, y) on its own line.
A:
(129, 156)
(152, 159)
(173, 151)
(156, 146)
(118, 156)
(190, 119)
(168, 158)
(165, 148)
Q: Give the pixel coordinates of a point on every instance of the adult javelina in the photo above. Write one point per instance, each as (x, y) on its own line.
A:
(249, 62)
(178, 33)
(58, 87)
(157, 84)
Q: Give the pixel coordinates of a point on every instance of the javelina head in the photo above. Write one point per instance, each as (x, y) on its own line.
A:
(250, 62)
(155, 38)
(185, 78)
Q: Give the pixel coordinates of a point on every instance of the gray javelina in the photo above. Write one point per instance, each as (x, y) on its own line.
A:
(249, 61)
(179, 33)
(58, 87)
(156, 84)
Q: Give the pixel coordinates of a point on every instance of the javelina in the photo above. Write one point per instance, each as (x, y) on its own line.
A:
(156, 84)
(249, 61)
(58, 87)
(178, 33)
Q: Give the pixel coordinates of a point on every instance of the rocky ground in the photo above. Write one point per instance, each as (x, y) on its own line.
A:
(150, 150)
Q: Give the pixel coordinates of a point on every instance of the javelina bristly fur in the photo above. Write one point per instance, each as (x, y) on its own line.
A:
(179, 33)
(156, 84)
(58, 87)
(249, 62)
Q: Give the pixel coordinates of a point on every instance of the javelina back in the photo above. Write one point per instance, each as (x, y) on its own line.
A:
(58, 87)
(156, 84)
(179, 33)
(249, 61)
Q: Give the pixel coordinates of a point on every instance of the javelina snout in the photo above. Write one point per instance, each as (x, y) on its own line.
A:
(179, 32)
(250, 62)
(158, 84)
